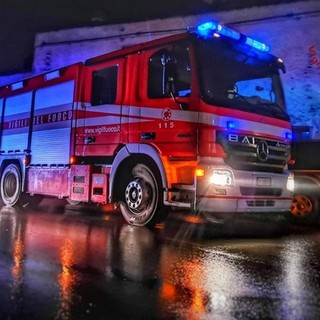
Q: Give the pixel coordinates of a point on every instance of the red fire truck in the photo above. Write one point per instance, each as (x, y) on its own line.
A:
(192, 121)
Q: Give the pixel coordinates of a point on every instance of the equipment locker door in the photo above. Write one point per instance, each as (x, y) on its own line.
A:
(16, 122)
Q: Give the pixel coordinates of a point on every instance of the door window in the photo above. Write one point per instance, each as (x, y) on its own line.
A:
(170, 73)
(104, 86)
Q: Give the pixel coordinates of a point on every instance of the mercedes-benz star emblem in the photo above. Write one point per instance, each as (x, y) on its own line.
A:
(262, 150)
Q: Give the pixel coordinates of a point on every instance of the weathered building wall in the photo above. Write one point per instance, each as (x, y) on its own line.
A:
(296, 40)
(292, 31)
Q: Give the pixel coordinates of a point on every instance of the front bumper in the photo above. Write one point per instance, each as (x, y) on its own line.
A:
(250, 192)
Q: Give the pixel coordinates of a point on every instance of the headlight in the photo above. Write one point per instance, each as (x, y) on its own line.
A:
(221, 178)
(290, 182)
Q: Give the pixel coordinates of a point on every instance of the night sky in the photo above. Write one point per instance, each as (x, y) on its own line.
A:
(21, 20)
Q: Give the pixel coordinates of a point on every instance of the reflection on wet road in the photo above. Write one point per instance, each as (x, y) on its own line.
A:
(55, 266)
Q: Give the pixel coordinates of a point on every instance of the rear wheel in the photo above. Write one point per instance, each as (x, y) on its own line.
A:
(11, 185)
(141, 203)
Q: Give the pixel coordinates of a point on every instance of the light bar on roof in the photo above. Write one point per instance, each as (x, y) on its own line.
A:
(228, 32)
(206, 28)
(211, 28)
(256, 44)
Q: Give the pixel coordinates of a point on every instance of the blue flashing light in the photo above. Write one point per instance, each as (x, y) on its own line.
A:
(206, 28)
(231, 124)
(256, 44)
(288, 135)
(228, 32)
(213, 29)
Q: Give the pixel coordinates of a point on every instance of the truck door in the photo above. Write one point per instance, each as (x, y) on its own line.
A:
(99, 126)
(169, 113)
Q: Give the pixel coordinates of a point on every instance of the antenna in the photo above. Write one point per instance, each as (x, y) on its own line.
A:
(148, 28)
(185, 24)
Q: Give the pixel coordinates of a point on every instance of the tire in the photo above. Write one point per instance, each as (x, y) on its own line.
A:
(305, 207)
(142, 203)
(11, 185)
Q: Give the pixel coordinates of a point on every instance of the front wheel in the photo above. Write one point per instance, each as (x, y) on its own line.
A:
(11, 185)
(141, 199)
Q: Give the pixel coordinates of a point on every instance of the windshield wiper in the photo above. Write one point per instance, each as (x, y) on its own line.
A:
(243, 98)
(280, 111)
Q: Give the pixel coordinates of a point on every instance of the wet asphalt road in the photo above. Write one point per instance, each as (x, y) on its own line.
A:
(91, 265)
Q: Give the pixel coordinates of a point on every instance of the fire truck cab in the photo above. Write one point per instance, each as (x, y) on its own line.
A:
(194, 121)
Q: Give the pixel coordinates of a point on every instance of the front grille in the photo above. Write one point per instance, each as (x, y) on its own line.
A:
(254, 154)
(248, 191)
(260, 203)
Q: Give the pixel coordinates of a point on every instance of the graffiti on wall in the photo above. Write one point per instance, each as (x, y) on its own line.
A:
(314, 58)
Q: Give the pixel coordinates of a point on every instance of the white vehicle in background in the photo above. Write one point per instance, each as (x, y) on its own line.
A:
(306, 168)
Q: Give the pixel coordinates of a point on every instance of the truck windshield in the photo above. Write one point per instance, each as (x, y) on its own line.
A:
(237, 78)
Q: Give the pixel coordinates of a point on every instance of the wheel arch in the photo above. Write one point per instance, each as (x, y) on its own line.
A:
(128, 156)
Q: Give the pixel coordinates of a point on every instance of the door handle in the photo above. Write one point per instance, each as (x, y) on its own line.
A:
(147, 135)
(88, 140)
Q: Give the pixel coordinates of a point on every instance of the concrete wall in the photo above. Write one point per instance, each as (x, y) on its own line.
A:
(292, 31)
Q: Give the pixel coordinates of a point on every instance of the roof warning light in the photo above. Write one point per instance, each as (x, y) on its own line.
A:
(211, 29)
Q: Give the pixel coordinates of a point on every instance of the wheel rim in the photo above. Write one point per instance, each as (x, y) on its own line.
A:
(301, 206)
(140, 196)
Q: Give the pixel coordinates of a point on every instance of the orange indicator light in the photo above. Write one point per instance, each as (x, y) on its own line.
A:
(199, 172)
